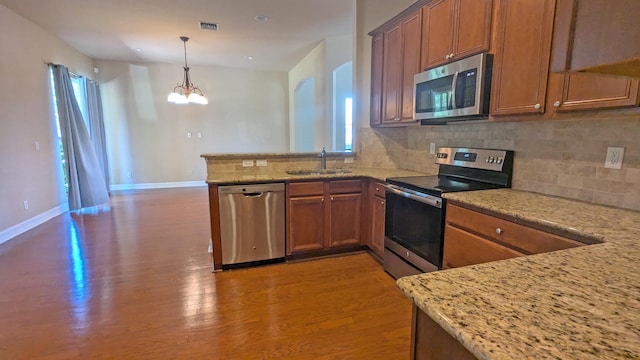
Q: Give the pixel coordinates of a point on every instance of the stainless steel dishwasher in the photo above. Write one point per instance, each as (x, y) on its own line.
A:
(251, 224)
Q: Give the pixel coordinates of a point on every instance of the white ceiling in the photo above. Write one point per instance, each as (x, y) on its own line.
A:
(114, 29)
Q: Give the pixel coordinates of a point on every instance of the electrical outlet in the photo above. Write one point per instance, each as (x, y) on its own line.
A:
(261, 162)
(348, 160)
(432, 148)
(25, 204)
(614, 157)
(247, 163)
(189, 135)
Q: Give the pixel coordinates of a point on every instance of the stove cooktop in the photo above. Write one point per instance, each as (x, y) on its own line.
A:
(438, 184)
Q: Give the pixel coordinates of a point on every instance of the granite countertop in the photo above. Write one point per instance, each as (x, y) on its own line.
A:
(247, 176)
(579, 303)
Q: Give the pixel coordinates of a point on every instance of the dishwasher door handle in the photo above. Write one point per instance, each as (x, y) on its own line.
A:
(253, 194)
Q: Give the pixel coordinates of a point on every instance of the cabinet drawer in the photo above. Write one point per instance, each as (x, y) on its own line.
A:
(345, 186)
(377, 189)
(306, 188)
(523, 238)
(462, 248)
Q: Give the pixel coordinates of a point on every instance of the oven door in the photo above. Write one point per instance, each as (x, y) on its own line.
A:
(414, 228)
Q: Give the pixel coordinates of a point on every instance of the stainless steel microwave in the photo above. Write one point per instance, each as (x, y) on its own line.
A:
(455, 91)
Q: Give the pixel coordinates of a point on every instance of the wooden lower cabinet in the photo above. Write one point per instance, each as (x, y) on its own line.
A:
(323, 215)
(429, 341)
(376, 217)
(306, 222)
(471, 237)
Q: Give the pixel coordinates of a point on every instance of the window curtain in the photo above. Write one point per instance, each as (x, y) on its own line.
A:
(87, 186)
(96, 125)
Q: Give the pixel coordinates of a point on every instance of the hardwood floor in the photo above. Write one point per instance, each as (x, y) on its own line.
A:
(135, 282)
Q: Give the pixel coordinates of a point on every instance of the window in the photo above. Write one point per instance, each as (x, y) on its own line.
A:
(348, 124)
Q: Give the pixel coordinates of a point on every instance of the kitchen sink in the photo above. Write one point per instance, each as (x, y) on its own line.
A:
(318, 172)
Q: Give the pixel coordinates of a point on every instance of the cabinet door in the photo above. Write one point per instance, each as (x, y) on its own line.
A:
(410, 62)
(437, 32)
(306, 223)
(521, 62)
(473, 28)
(377, 225)
(392, 74)
(592, 91)
(462, 248)
(377, 54)
(346, 210)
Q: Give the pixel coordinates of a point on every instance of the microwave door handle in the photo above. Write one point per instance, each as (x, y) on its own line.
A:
(453, 92)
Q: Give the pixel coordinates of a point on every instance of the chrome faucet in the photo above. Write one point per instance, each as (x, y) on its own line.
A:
(323, 159)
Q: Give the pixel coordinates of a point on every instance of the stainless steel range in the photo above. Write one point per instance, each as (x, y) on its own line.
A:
(415, 210)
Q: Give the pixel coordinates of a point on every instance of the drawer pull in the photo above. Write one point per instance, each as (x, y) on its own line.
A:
(498, 231)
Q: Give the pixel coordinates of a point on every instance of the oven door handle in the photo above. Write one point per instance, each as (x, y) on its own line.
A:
(414, 195)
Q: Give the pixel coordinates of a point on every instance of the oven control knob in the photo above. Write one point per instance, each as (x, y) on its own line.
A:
(490, 159)
(498, 160)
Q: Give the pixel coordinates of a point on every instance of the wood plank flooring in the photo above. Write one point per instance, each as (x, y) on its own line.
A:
(135, 282)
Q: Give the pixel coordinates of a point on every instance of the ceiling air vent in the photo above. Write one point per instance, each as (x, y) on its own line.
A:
(208, 26)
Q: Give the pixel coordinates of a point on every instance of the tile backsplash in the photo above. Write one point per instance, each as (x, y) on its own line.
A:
(563, 158)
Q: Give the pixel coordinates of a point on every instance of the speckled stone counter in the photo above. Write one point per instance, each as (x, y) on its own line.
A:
(580, 303)
(247, 176)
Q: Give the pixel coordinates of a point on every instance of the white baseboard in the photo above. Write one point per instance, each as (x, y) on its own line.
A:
(143, 186)
(29, 224)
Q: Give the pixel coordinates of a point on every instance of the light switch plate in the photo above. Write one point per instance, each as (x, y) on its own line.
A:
(614, 157)
(247, 163)
(432, 148)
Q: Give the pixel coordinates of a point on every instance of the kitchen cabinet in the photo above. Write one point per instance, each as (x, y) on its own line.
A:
(429, 341)
(395, 59)
(376, 216)
(377, 47)
(471, 237)
(599, 36)
(400, 63)
(454, 29)
(585, 91)
(521, 60)
(323, 215)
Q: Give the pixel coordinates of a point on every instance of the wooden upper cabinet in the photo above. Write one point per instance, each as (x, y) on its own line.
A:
(521, 60)
(454, 29)
(377, 54)
(583, 91)
(401, 62)
(391, 74)
(411, 36)
(597, 35)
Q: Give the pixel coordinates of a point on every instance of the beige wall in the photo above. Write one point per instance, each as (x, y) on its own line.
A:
(562, 158)
(25, 117)
(147, 136)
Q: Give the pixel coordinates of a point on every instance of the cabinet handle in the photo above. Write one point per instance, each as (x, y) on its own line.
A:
(556, 104)
(451, 56)
(381, 202)
(377, 189)
(332, 198)
(322, 200)
(537, 106)
(498, 231)
(446, 57)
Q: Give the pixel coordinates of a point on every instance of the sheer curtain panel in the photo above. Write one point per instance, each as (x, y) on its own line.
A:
(96, 125)
(87, 186)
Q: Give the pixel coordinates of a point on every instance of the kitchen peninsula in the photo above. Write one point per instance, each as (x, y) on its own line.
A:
(580, 303)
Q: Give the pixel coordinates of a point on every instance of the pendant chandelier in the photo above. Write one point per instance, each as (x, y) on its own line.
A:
(186, 92)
